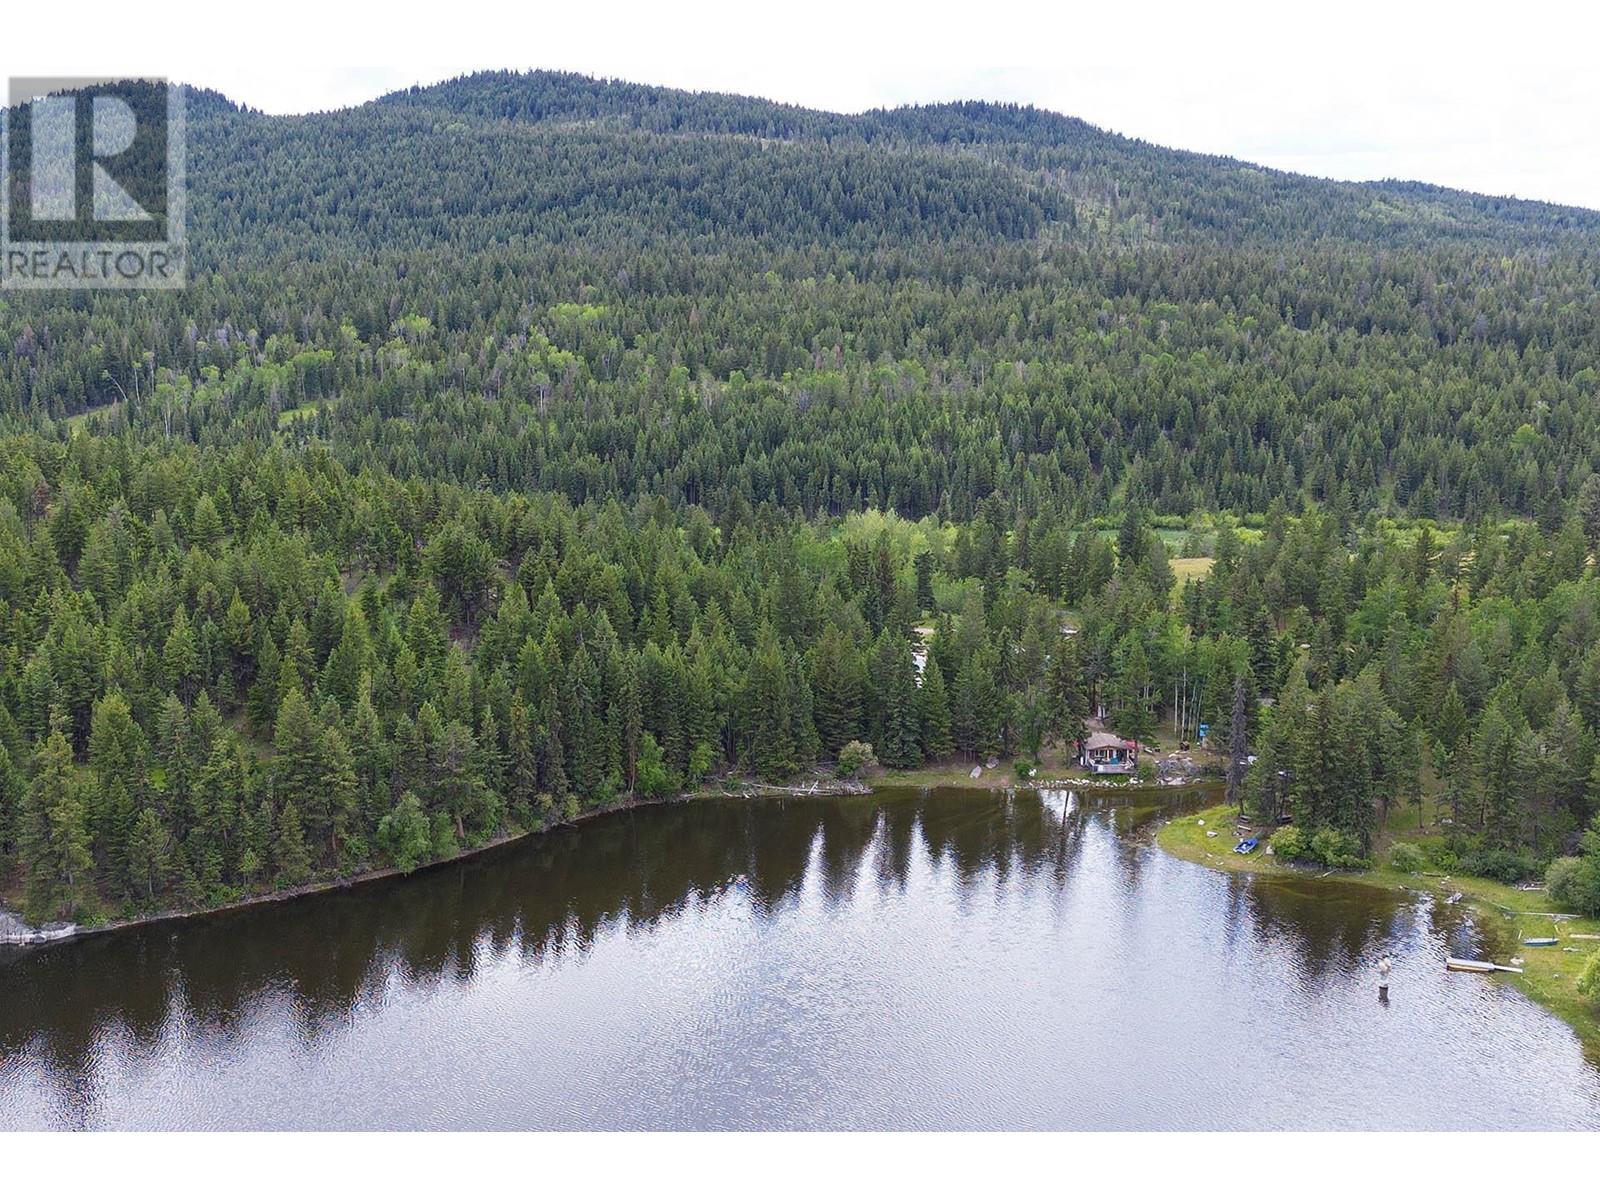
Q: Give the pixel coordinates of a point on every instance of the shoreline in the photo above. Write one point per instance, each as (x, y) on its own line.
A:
(994, 780)
(326, 886)
(1548, 978)
(1000, 779)
(1549, 974)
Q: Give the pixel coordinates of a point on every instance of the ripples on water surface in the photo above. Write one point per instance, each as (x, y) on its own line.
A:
(940, 960)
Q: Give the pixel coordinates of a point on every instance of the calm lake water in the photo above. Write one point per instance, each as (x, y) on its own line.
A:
(907, 960)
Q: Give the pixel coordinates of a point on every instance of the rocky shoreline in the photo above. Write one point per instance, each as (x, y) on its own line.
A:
(14, 931)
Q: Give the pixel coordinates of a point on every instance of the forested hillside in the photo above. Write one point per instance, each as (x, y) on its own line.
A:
(528, 443)
(546, 282)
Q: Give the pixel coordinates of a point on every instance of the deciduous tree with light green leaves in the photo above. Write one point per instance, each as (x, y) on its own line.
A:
(403, 833)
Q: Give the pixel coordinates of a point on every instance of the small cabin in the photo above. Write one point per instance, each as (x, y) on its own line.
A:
(1108, 754)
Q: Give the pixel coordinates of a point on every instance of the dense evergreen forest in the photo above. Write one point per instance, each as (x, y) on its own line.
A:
(530, 443)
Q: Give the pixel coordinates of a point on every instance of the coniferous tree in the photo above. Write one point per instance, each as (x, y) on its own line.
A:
(118, 764)
(12, 789)
(1450, 727)
(1238, 747)
(297, 767)
(54, 839)
(977, 716)
(147, 852)
(836, 687)
(1130, 693)
(175, 754)
(802, 724)
(767, 698)
(290, 852)
(902, 741)
(264, 704)
(350, 660)
(239, 641)
(340, 793)
(180, 658)
(933, 706)
(1500, 763)
(523, 768)
(1066, 696)
(368, 752)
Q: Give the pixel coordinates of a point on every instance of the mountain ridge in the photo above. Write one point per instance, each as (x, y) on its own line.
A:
(516, 142)
(576, 87)
(1125, 187)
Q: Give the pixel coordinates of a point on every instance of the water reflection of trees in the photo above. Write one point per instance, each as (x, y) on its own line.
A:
(1322, 927)
(327, 956)
(318, 963)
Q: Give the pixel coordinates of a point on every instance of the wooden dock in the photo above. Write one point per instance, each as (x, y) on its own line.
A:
(1477, 967)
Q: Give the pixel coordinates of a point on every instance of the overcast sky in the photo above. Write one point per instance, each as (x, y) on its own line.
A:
(1501, 98)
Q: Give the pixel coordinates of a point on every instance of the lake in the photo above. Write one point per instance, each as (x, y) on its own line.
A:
(906, 960)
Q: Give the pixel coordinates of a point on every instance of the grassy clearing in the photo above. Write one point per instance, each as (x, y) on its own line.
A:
(945, 775)
(1549, 973)
(290, 415)
(79, 421)
(958, 774)
(1189, 838)
(1185, 569)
